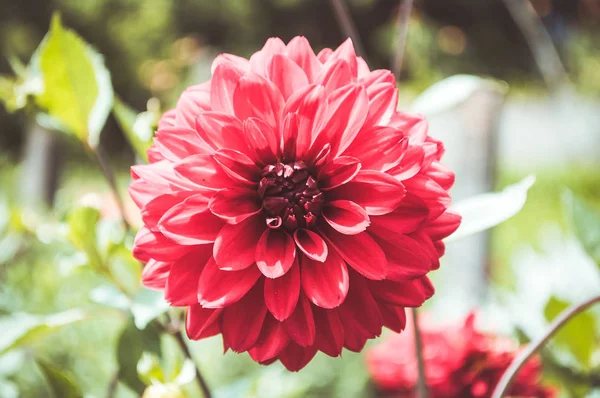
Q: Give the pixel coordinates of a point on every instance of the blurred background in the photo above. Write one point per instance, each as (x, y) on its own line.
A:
(531, 105)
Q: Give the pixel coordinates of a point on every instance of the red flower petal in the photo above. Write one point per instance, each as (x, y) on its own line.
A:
(443, 226)
(262, 141)
(238, 166)
(378, 147)
(294, 357)
(299, 50)
(378, 193)
(411, 293)
(406, 218)
(436, 198)
(235, 246)
(224, 80)
(311, 106)
(275, 253)
(176, 143)
(394, 316)
(154, 245)
(338, 172)
(235, 204)
(204, 171)
(256, 96)
(346, 113)
(260, 59)
(346, 217)
(201, 323)
(325, 284)
(383, 100)
(221, 130)
(300, 326)
(219, 289)
(182, 284)
(273, 338)
(354, 249)
(193, 101)
(286, 75)
(334, 74)
(242, 321)
(311, 244)
(330, 332)
(155, 274)
(359, 314)
(153, 210)
(190, 222)
(406, 259)
(281, 294)
(410, 163)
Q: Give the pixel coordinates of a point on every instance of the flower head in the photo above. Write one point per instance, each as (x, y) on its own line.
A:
(290, 206)
(459, 362)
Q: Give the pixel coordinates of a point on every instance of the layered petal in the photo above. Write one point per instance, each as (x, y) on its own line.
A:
(281, 294)
(219, 289)
(325, 284)
(275, 253)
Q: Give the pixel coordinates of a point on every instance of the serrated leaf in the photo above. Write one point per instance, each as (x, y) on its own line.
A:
(82, 232)
(136, 128)
(77, 88)
(131, 345)
(21, 329)
(577, 336)
(61, 383)
(586, 222)
(490, 209)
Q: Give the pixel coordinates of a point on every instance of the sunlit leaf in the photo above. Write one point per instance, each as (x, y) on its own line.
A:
(21, 329)
(130, 347)
(490, 209)
(110, 296)
(586, 222)
(137, 127)
(60, 383)
(451, 92)
(147, 305)
(578, 335)
(82, 232)
(77, 88)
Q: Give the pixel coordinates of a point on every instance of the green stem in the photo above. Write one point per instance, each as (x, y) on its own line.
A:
(422, 380)
(511, 373)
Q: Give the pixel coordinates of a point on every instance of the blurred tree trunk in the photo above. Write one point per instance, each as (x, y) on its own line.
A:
(40, 166)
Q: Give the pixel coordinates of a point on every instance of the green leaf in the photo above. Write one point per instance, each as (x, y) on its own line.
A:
(149, 369)
(77, 88)
(21, 329)
(130, 347)
(125, 269)
(138, 128)
(485, 211)
(578, 336)
(110, 296)
(147, 305)
(60, 383)
(82, 232)
(586, 222)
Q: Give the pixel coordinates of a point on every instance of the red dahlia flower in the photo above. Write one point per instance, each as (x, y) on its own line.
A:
(459, 362)
(290, 206)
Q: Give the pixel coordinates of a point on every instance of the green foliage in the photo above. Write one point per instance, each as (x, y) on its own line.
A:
(61, 383)
(137, 127)
(21, 330)
(77, 90)
(578, 336)
(132, 343)
(586, 222)
(82, 232)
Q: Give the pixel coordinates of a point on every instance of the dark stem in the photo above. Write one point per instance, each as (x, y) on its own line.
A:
(342, 14)
(512, 371)
(188, 354)
(100, 157)
(422, 381)
(112, 386)
(402, 32)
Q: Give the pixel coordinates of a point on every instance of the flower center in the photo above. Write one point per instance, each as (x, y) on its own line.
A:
(290, 196)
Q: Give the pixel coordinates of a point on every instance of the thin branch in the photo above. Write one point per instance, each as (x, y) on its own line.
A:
(342, 14)
(512, 371)
(401, 34)
(540, 43)
(188, 354)
(422, 381)
(99, 156)
(112, 386)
